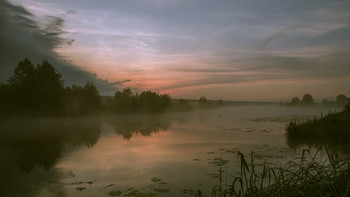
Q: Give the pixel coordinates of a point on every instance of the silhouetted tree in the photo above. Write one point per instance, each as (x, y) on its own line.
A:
(203, 101)
(341, 100)
(325, 102)
(182, 105)
(80, 100)
(220, 102)
(153, 102)
(49, 87)
(307, 100)
(124, 102)
(295, 101)
(32, 88)
(147, 101)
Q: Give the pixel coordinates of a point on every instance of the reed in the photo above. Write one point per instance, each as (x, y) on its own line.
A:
(305, 176)
(323, 173)
(331, 130)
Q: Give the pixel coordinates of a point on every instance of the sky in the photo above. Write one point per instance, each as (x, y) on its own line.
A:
(253, 50)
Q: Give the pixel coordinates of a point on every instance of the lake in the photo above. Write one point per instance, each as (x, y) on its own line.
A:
(173, 154)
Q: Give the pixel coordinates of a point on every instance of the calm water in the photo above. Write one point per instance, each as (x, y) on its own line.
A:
(173, 154)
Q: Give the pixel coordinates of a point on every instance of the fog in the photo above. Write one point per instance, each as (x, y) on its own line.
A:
(170, 153)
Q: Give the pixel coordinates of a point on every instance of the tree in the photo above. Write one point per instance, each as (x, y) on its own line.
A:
(295, 101)
(341, 100)
(124, 102)
(307, 100)
(49, 88)
(153, 102)
(183, 105)
(220, 102)
(147, 101)
(23, 73)
(203, 101)
(325, 102)
(32, 88)
(82, 100)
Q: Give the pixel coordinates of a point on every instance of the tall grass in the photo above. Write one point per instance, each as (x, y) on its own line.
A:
(305, 176)
(315, 174)
(331, 130)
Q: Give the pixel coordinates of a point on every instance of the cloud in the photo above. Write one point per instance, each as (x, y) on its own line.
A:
(23, 36)
(272, 37)
(120, 82)
(267, 68)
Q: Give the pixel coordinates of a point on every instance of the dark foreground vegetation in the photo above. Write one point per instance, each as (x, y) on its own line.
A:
(323, 173)
(305, 176)
(331, 130)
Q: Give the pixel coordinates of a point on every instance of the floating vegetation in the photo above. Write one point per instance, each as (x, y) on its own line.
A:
(129, 189)
(115, 193)
(134, 193)
(156, 180)
(266, 131)
(219, 162)
(189, 191)
(161, 190)
(232, 150)
(281, 119)
(83, 182)
(110, 185)
(232, 129)
(210, 152)
(80, 188)
(196, 159)
(137, 193)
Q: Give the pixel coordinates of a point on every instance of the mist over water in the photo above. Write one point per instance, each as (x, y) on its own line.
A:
(170, 154)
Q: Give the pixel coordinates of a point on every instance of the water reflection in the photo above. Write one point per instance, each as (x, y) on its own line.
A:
(127, 126)
(41, 142)
(110, 155)
(29, 149)
(17, 183)
(335, 144)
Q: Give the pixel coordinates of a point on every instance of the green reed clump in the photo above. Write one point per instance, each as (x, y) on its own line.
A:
(331, 130)
(305, 176)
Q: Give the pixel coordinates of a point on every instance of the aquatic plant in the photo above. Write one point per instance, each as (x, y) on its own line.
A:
(331, 130)
(305, 176)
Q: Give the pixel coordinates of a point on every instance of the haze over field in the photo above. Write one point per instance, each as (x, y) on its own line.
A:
(227, 49)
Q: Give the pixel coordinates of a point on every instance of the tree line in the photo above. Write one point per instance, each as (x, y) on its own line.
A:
(40, 90)
(308, 100)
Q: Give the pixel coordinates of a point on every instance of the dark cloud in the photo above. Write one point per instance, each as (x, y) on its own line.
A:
(120, 82)
(21, 36)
